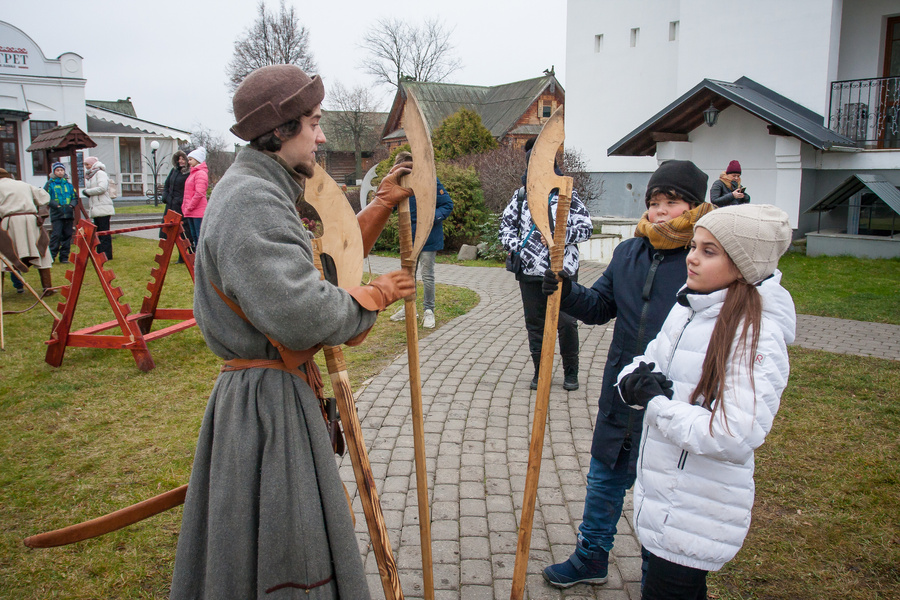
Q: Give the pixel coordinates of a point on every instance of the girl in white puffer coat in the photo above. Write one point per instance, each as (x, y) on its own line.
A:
(694, 489)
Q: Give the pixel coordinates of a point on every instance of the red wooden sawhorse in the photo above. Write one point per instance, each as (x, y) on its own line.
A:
(135, 328)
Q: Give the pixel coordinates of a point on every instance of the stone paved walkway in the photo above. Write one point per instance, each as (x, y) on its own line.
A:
(478, 409)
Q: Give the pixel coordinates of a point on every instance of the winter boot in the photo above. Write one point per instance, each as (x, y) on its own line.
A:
(537, 369)
(45, 282)
(570, 369)
(579, 569)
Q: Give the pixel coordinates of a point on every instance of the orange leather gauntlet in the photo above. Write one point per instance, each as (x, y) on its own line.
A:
(376, 213)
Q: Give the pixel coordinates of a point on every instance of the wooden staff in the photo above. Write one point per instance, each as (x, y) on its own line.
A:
(342, 241)
(423, 181)
(541, 179)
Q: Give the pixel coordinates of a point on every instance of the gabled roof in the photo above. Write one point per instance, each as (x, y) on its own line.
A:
(886, 191)
(686, 114)
(60, 138)
(341, 141)
(499, 106)
(123, 107)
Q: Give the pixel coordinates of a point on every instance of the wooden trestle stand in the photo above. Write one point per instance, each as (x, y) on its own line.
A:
(135, 327)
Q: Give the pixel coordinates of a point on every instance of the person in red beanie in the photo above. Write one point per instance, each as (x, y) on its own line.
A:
(727, 190)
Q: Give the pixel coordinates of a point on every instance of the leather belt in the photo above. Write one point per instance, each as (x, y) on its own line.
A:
(239, 364)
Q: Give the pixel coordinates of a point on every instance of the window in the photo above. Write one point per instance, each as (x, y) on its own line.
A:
(39, 164)
(9, 148)
(673, 31)
(635, 33)
(598, 42)
(548, 110)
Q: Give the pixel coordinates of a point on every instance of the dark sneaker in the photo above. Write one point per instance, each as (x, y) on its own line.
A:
(534, 382)
(570, 383)
(575, 570)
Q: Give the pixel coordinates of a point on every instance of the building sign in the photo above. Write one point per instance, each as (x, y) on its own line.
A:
(13, 58)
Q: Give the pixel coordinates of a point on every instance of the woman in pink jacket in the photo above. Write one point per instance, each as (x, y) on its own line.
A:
(194, 204)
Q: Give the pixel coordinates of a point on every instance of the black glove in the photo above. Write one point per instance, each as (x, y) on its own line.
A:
(85, 194)
(550, 283)
(641, 385)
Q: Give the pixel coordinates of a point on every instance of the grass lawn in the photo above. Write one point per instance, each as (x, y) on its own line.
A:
(141, 209)
(97, 434)
(825, 523)
(862, 289)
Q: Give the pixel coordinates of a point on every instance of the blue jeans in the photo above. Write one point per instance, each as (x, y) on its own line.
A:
(426, 259)
(194, 229)
(603, 505)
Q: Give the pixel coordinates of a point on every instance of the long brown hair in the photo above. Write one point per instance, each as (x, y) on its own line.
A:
(743, 305)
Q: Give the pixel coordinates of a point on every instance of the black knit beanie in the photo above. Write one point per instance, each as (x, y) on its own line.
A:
(683, 176)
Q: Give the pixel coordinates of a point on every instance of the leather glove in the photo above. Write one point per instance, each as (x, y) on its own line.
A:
(384, 290)
(642, 385)
(551, 283)
(390, 193)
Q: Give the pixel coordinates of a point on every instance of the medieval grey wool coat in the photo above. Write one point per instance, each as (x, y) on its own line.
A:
(265, 515)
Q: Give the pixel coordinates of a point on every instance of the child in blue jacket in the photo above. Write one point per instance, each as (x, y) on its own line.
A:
(63, 202)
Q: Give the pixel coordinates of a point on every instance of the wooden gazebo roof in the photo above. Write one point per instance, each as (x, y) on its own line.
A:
(62, 139)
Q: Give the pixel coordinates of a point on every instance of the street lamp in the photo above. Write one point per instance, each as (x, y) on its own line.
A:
(154, 146)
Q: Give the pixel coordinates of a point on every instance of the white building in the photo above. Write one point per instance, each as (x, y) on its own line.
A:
(37, 93)
(807, 91)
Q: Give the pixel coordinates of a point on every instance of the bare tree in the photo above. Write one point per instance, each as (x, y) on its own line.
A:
(500, 171)
(353, 120)
(397, 50)
(272, 39)
(575, 166)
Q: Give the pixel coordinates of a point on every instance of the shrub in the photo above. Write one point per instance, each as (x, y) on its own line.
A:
(461, 133)
(500, 172)
(489, 235)
(469, 212)
(465, 223)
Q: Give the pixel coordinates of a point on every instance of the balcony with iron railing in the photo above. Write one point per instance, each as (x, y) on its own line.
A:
(867, 111)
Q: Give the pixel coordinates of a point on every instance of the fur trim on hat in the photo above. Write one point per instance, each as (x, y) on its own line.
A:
(754, 236)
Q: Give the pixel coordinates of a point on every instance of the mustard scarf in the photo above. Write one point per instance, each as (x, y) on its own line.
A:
(676, 233)
(724, 178)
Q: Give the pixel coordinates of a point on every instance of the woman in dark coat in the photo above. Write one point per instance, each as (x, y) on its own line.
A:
(173, 189)
(727, 189)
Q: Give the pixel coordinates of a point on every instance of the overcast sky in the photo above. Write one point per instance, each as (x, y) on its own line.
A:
(169, 56)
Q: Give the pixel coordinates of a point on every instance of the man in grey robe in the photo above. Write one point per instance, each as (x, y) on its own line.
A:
(265, 514)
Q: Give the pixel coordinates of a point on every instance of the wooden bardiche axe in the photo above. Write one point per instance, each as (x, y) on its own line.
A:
(542, 179)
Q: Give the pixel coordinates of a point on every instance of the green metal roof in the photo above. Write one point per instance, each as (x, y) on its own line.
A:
(124, 107)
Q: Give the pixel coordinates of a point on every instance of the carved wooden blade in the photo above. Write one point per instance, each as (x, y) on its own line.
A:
(541, 176)
(341, 238)
(423, 179)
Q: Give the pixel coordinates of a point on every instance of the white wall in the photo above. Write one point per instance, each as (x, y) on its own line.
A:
(862, 38)
(785, 46)
(49, 89)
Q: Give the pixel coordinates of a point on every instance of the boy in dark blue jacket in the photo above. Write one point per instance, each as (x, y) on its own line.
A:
(63, 201)
(638, 290)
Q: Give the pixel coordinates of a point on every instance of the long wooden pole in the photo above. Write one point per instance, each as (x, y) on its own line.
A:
(408, 262)
(548, 349)
(362, 468)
